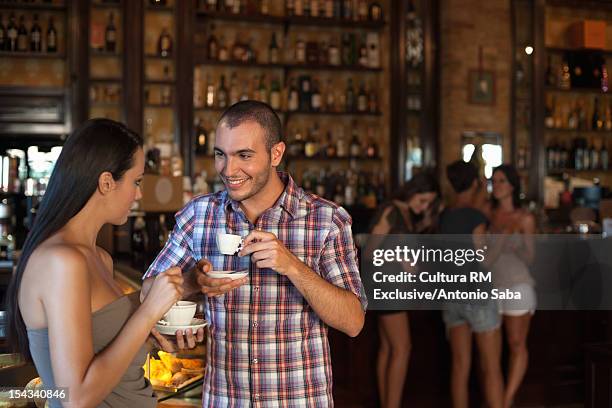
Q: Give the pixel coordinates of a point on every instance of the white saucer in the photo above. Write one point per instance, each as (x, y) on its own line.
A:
(165, 328)
(231, 275)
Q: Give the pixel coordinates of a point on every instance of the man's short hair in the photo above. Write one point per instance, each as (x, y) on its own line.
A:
(461, 175)
(254, 111)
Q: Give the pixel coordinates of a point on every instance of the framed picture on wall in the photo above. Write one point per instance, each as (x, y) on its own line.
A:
(481, 87)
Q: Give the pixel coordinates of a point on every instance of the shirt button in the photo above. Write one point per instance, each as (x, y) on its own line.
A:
(257, 396)
(255, 324)
(256, 288)
(255, 361)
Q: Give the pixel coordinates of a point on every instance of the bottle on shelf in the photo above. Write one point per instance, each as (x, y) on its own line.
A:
(289, 7)
(51, 36)
(355, 147)
(596, 119)
(293, 100)
(275, 94)
(564, 77)
(176, 161)
(330, 146)
(608, 117)
(265, 7)
(334, 53)
(341, 146)
(273, 50)
(375, 12)
(363, 52)
(211, 5)
(200, 137)
(551, 77)
(347, 57)
(328, 7)
(234, 91)
(311, 148)
(110, 36)
(244, 95)
(212, 47)
(300, 51)
(298, 7)
(373, 100)
(362, 98)
(166, 95)
(371, 147)
(603, 156)
(211, 99)
(373, 44)
(222, 95)
(549, 120)
(35, 35)
(164, 44)
(347, 9)
(330, 97)
(307, 8)
(22, 35)
(263, 90)
(223, 54)
(11, 34)
(350, 96)
(304, 94)
(228, 6)
(312, 52)
(315, 100)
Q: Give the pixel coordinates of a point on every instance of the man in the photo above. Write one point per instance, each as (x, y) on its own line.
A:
(463, 319)
(269, 343)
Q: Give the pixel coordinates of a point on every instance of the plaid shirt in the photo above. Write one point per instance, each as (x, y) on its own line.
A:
(267, 347)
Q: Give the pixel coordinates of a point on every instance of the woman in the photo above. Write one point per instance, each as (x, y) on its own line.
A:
(66, 313)
(413, 210)
(509, 256)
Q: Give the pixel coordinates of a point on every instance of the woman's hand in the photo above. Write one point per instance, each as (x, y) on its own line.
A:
(167, 289)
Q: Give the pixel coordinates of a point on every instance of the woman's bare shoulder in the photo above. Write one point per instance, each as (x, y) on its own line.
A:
(57, 260)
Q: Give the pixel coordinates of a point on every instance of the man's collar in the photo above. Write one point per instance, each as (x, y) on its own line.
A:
(288, 200)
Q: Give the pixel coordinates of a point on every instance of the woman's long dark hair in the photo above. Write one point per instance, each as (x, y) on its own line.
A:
(515, 181)
(97, 146)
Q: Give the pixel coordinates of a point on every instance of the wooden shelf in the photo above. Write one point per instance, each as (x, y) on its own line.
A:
(292, 20)
(575, 131)
(116, 5)
(296, 67)
(93, 105)
(33, 55)
(159, 105)
(574, 171)
(159, 57)
(242, 18)
(103, 53)
(160, 82)
(160, 9)
(559, 50)
(106, 80)
(34, 6)
(592, 91)
(289, 113)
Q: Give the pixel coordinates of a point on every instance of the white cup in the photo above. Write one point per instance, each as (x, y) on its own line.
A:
(181, 313)
(229, 244)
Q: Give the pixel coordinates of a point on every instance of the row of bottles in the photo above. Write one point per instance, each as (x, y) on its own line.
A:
(317, 143)
(347, 50)
(105, 94)
(19, 38)
(578, 113)
(352, 10)
(580, 156)
(586, 70)
(163, 158)
(303, 93)
(105, 40)
(346, 187)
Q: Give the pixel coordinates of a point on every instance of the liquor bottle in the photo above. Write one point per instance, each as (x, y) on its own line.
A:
(244, 95)
(373, 100)
(210, 93)
(237, 9)
(51, 37)
(228, 6)
(22, 35)
(300, 51)
(330, 146)
(222, 94)
(362, 10)
(582, 120)
(289, 7)
(3, 36)
(608, 118)
(275, 94)
(312, 52)
(329, 8)
(164, 44)
(564, 76)
(350, 96)
(346, 50)
(341, 147)
(200, 137)
(347, 9)
(293, 102)
(273, 50)
(375, 12)
(305, 91)
(311, 147)
(551, 78)
(234, 92)
(596, 121)
(211, 5)
(330, 99)
(363, 52)
(223, 53)
(298, 7)
(355, 147)
(35, 35)
(334, 53)
(11, 34)
(314, 8)
(373, 44)
(166, 95)
(265, 7)
(549, 120)
(594, 161)
(572, 121)
(362, 99)
(213, 47)
(263, 90)
(323, 54)
(603, 156)
(371, 148)
(306, 8)
(110, 37)
(315, 100)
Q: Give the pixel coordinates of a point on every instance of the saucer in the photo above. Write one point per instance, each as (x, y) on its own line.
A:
(166, 328)
(227, 274)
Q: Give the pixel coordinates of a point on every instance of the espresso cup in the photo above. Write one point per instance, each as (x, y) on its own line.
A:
(181, 314)
(229, 244)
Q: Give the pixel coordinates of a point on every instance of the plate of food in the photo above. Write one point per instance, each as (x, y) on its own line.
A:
(171, 374)
(168, 329)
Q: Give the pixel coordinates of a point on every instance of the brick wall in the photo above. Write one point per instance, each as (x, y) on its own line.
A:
(466, 25)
